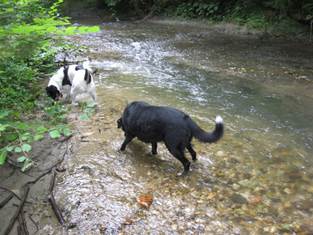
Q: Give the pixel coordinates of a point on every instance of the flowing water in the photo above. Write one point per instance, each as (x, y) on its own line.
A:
(257, 179)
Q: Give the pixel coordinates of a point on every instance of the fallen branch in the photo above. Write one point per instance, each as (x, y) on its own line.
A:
(22, 224)
(10, 191)
(32, 220)
(18, 211)
(65, 138)
(6, 200)
(56, 209)
(22, 228)
(60, 169)
(52, 181)
(52, 201)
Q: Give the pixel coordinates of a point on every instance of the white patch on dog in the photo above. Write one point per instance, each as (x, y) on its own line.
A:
(80, 85)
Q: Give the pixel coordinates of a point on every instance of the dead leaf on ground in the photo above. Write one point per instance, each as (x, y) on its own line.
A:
(255, 199)
(211, 195)
(128, 221)
(145, 200)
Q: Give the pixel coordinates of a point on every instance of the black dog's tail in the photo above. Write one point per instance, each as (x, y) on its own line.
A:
(205, 136)
(87, 76)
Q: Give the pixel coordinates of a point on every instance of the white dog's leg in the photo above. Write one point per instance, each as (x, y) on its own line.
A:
(73, 96)
(92, 93)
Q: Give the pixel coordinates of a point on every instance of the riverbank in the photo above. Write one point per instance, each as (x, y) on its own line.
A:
(256, 180)
(291, 21)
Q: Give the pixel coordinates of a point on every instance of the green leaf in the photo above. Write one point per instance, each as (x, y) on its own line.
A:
(11, 137)
(3, 156)
(17, 150)
(41, 129)
(3, 127)
(28, 163)
(21, 159)
(91, 105)
(83, 117)
(67, 131)
(9, 148)
(21, 125)
(4, 114)
(38, 137)
(26, 136)
(26, 147)
(55, 134)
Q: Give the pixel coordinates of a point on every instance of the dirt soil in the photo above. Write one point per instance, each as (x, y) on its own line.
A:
(47, 154)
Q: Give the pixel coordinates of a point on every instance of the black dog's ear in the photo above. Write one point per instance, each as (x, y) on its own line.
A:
(119, 123)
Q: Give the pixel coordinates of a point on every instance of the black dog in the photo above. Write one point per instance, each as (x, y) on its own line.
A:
(152, 124)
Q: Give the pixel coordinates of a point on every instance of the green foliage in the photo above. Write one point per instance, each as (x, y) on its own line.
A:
(197, 9)
(59, 130)
(112, 3)
(30, 32)
(253, 13)
(88, 110)
(17, 136)
(56, 113)
(16, 82)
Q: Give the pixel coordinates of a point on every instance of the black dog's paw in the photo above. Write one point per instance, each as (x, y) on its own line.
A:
(121, 150)
(183, 174)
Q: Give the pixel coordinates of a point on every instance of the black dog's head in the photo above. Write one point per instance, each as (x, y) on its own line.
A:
(119, 123)
(53, 92)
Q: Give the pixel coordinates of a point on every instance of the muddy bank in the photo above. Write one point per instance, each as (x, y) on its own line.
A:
(47, 155)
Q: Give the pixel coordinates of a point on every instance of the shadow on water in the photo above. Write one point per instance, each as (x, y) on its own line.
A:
(256, 180)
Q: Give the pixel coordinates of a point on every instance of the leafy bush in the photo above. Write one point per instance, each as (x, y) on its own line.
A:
(250, 12)
(28, 30)
(197, 9)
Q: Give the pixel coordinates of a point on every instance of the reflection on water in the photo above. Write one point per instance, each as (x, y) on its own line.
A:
(257, 179)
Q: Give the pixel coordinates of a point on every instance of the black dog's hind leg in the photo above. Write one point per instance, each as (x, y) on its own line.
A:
(154, 148)
(178, 153)
(126, 141)
(192, 152)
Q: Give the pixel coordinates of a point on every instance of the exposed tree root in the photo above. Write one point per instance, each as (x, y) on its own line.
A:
(19, 214)
(22, 227)
(6, 200)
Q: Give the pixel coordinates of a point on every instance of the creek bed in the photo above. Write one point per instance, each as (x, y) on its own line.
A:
(257, 179)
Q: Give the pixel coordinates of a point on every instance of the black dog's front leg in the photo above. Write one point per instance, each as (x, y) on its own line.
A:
(127, 140)
(154, 148)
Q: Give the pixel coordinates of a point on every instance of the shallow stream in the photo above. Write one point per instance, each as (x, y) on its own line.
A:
(257, 179)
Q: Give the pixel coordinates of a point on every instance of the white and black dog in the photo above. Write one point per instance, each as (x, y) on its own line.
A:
(78, 77)
(153, 124)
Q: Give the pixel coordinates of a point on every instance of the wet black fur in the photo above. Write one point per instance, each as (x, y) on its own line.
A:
(79, 67)
(53, 92)
(153, 124)
(66, 79)
(87, 77)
